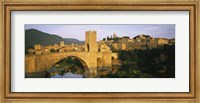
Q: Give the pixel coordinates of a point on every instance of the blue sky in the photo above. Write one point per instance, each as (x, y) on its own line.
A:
(78, 31)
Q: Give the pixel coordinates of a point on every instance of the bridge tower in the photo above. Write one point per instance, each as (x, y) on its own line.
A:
(91, 41)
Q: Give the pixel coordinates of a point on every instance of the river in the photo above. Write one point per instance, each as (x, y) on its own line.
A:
(68, 75)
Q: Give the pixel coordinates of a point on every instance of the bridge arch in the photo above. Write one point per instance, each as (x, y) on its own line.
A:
(99, 63)
(84, 64)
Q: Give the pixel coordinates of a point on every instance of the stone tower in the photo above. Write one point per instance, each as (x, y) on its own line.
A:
(91, 41)
(114, 35)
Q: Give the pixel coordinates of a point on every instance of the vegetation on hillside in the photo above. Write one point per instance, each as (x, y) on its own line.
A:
(33, 36)
(150, 63)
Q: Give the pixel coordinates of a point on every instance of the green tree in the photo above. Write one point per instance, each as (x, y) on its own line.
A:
(52, 50)
(158, 62)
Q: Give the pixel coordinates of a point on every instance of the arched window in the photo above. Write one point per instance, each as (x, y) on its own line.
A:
(113, 58)
(88, 48)
(99, 48)
(99, 63)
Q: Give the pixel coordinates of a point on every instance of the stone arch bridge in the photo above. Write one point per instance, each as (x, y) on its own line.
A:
(90, 60)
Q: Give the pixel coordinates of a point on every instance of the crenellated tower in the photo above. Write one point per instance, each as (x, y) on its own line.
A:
(91, 41)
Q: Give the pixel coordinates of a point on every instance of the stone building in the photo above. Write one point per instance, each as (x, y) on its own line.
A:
(91, 45)
(124, 41)
(119, 46)
(37, 47)
(103, 47)
(143, 42)
(38, 52)
(31, 51)
(62, 43)
(161, 41)
(172, 41)
(109, 42)
(46, 51)
(140, 42)
(144, 39)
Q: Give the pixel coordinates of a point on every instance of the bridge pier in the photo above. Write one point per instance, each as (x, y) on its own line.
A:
(90, 74)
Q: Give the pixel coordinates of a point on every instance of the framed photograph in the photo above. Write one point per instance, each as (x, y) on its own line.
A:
(100, 50)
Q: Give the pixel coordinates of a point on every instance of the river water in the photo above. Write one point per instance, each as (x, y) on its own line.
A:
(64, 73)
(68, 75)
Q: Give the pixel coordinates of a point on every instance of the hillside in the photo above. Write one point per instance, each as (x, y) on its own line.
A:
(33, 36)
(72, 40)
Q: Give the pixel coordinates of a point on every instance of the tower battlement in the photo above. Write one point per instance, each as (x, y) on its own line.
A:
(91, 31)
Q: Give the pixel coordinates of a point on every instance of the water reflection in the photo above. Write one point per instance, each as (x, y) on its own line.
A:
(65, 73)
(68, 75)
(79, 72)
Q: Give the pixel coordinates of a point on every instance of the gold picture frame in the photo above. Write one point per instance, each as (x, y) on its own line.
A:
(156, 5)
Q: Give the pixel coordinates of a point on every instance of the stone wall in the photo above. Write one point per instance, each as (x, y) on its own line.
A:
(30, 63)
